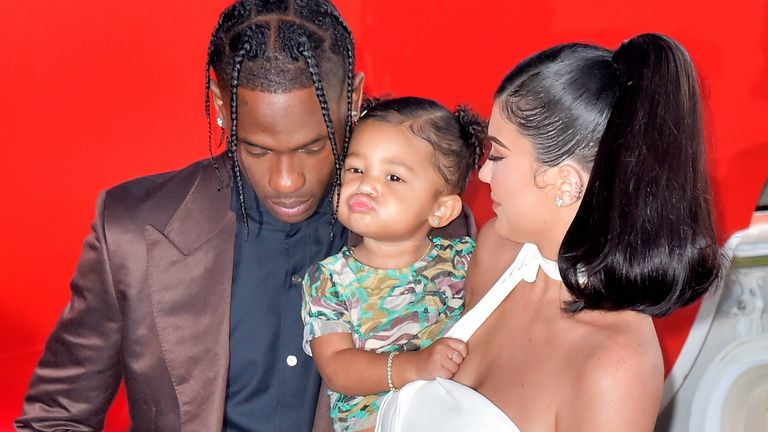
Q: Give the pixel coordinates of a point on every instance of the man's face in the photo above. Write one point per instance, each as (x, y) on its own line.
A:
(284, 149)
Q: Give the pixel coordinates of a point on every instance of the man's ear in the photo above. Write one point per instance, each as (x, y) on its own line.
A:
(570, 184)
(447, 208)
(357, 94)
(218, 102)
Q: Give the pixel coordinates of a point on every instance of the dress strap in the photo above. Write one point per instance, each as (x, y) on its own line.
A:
(524, 267)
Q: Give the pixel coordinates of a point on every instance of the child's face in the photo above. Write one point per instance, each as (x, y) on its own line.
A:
(390, 186)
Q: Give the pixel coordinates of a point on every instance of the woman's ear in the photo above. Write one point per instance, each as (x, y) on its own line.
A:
(447, 208)
(570, 184)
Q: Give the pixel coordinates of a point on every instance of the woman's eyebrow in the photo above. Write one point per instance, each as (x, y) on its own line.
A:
(497, 141)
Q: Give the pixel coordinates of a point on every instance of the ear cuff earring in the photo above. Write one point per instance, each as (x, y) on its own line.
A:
(220, 121)
(579, 192)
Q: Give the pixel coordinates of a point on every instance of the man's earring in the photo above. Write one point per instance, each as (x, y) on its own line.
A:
(220, 121)
(558, 201)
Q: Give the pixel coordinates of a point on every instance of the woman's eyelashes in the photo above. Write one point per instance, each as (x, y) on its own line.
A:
(494, 158)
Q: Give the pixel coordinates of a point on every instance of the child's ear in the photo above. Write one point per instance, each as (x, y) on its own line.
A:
(447, 208)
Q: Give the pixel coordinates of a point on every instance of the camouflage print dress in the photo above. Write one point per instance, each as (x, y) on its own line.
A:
(384, 310)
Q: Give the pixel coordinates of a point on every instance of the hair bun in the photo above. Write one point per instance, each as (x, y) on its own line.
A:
(473, 131)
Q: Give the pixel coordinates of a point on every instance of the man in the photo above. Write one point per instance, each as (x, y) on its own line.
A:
(189, 285)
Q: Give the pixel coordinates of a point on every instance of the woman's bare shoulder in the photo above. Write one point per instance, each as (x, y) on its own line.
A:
(620, 376)
(493, 254)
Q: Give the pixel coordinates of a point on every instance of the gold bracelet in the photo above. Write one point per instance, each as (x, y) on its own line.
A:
(390, 358)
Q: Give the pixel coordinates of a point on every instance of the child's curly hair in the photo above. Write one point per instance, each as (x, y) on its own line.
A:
(457, 137)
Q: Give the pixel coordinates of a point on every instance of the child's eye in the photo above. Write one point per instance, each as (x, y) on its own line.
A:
(353, 170)
(394, 178)
(494, 158)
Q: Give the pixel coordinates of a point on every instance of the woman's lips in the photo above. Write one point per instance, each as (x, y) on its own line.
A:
(289, 208)
(360, 203)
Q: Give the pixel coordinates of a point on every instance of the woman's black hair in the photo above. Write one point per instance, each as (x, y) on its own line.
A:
(457, 137)
(278, 46)
(643, 238)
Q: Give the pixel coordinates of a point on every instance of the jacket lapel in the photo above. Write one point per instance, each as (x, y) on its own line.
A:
(189, 267)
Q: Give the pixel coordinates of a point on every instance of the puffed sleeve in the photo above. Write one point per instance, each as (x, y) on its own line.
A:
(450, 284)
(461, 253)
(324, 309)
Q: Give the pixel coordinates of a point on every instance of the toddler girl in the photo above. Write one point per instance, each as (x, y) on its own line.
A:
(399, 290)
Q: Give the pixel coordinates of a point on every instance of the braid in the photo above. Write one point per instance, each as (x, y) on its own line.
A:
(350, 47)
(350, 52)
(232, 147)
(348, 129)
(208, 101)
(314, 72)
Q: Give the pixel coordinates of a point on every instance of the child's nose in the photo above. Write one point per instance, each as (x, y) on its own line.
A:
(367, 186)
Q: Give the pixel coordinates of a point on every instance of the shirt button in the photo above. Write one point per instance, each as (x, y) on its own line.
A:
(291, 360)
(296, 279)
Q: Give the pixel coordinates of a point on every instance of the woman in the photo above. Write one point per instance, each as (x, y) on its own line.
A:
(596, 170)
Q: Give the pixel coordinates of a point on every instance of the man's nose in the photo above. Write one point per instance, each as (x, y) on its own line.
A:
(286, 176)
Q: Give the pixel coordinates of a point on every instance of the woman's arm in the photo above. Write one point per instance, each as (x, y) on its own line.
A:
(351, 371)
(493, 255)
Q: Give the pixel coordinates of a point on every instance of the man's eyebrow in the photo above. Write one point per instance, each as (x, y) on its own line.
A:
(497, 141)
(302, 146)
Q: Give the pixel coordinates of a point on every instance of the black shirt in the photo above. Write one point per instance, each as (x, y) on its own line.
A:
(272, 384)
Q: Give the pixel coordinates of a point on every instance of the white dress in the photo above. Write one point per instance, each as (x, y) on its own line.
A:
(445, 405)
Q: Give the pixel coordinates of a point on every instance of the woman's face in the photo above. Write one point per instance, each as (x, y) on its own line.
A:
(523, 199)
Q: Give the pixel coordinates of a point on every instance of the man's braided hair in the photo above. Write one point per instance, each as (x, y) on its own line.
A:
(278, 46)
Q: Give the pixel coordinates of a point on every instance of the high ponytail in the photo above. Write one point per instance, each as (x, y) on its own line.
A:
(643, 238)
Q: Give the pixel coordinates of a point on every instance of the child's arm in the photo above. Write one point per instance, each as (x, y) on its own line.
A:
(353, 371)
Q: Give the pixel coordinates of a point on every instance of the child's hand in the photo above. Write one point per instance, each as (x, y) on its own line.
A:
(441, 359)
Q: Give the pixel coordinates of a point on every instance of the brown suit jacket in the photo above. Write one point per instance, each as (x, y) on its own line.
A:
(150, 303)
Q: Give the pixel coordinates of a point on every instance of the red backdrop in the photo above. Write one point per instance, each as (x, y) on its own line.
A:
(105, 91)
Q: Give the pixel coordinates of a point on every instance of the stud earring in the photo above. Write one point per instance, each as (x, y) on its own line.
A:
(559, 201)
(353, 113)
(435, 222)
(220, 121)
